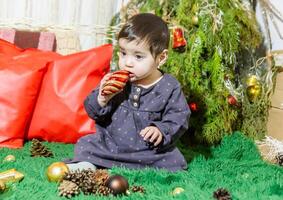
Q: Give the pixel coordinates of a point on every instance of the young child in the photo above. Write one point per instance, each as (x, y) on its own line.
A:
(137, 127)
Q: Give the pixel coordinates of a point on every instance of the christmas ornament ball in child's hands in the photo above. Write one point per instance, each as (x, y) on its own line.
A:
(116, 82)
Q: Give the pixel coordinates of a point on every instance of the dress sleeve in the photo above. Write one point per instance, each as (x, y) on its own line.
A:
(175, 118)
(94, 110)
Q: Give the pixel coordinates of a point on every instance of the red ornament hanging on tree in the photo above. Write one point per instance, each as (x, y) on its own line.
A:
(232, 100)
(179, 41)
(193, 106)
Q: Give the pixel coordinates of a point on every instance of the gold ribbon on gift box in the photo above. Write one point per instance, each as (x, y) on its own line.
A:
(11, 175)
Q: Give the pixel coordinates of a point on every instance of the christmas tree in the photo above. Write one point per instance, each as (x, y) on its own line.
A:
(214, 55)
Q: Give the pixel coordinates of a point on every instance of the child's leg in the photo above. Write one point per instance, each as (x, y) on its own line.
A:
(81, 166)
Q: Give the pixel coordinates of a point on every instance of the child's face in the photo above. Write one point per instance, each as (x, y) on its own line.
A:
(138, 60)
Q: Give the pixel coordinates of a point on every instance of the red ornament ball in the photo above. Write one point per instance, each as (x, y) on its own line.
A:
(232, 100)
(193, 106)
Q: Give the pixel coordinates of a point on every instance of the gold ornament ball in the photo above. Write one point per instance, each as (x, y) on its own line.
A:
(254, 92)
(2, 186)
(177, 191)
(56, 171)
(251, 81)
(10, 158)
(195, 20)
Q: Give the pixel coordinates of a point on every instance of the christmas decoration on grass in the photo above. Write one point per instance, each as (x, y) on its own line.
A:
(177, 191)
(84, 179)
(38, 149)
(68, 189)
(279, 158)
(103, 190)
(100, 176)
(222, 194)
(10, 158)
(56, 171)
(11, 175)
(118, 184)
(90, 181)
(86, 182)
(138, 188)
(75, 177)
(2, 186)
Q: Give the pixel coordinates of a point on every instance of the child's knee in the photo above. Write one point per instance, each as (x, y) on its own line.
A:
(81, 166)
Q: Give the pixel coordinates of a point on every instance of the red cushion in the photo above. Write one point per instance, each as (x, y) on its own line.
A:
(7, 48)
(21, 77)
(59, 115)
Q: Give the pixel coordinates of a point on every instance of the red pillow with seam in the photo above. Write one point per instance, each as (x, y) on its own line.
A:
(59, 114)
(7, 48)
(21, 77)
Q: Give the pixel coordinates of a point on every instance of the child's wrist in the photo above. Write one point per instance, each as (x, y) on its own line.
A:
(101, 101)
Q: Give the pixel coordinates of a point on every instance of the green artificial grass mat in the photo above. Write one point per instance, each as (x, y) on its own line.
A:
(235, 165)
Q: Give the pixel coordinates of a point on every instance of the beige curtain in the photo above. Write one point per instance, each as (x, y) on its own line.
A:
(78, 24)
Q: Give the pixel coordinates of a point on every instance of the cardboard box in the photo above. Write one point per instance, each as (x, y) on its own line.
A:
(275, 123)
(277, 96)
(275, 119)
(277, 99)
(279, 81)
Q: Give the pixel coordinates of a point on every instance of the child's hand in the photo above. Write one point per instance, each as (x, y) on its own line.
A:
(112, 84)
(152, 134)
(103, 99)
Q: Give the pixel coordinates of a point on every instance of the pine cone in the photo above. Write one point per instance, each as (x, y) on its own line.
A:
(68, 189)
(84, 179)
(100, 177)
(38, 149)
(88, 185)
(137, 188)
(73, 176)
(279, 159)
(222, 194)
(103, 190)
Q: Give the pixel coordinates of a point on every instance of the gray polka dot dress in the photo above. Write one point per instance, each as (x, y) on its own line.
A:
(117, 141)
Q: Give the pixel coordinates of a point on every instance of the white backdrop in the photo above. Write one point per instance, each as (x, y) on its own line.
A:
(87, 18)
(277, 42)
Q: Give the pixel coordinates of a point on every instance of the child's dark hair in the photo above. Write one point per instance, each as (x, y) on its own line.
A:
(149, 28)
